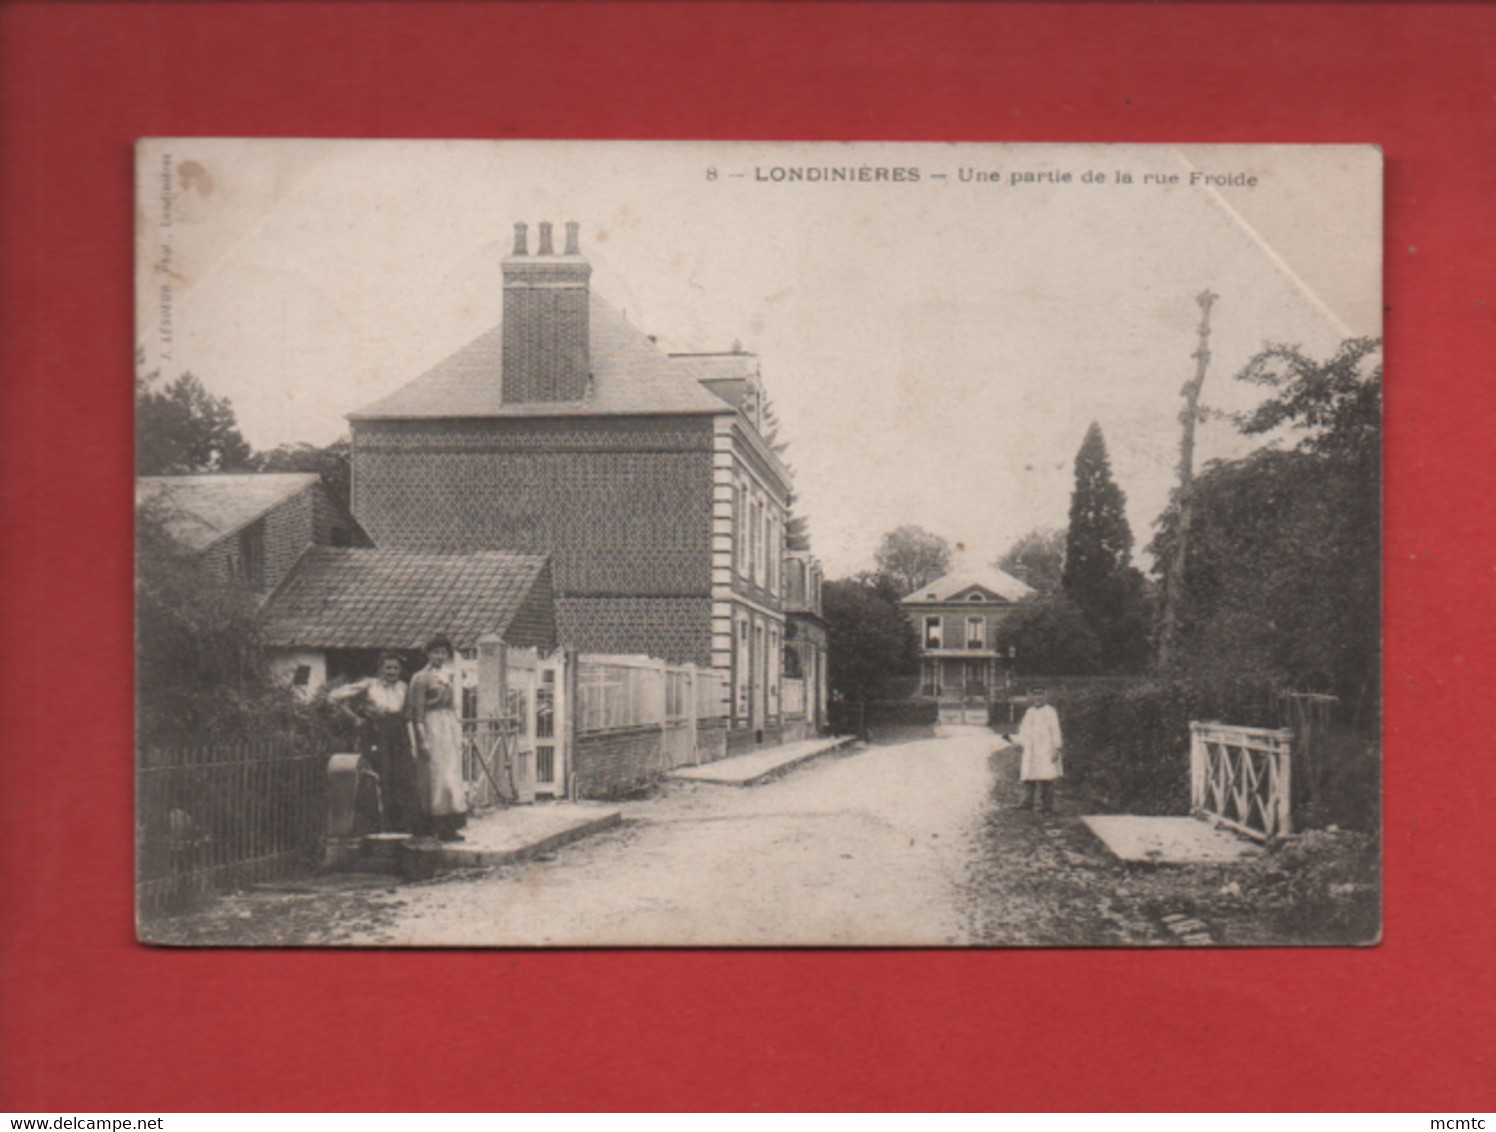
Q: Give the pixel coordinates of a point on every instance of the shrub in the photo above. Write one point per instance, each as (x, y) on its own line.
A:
(1049, 634)
(200, 669)
(1127, 744)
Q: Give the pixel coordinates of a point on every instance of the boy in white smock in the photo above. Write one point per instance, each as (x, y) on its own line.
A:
(1039, 737)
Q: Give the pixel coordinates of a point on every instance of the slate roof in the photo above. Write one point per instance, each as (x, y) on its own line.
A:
(952, 586)
(359, 598)
(631, 376)
(200, 510)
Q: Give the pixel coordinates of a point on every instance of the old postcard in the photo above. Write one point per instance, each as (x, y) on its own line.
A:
(758, 544)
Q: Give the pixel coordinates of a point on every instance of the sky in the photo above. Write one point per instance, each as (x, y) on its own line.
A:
(935, 348)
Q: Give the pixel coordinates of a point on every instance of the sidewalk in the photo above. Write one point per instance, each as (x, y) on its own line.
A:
(500, 837)
(761, 765)
(1170, 840)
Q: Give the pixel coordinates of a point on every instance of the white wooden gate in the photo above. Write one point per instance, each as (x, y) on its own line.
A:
(1241, 777)
(550, 710)
(525, 695)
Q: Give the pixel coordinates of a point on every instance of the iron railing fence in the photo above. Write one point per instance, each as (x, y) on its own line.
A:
(215, 816)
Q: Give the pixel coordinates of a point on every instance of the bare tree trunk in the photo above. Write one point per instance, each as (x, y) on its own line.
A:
(1168, 639)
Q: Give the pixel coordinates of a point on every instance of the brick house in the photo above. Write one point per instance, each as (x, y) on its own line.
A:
(249, 528)
(957, 619)
(339, 608)
(566, 431)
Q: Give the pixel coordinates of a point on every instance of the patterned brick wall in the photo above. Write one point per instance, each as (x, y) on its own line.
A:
(622, 510)
(545, 332)
(622, 505)
(678, 630)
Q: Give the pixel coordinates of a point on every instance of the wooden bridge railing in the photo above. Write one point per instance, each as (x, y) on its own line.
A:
(1241, 777)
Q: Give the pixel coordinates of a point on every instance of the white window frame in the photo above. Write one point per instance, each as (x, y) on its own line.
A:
(934, 637)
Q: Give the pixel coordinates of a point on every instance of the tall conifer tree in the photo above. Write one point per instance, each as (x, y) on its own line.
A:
(1099, 577)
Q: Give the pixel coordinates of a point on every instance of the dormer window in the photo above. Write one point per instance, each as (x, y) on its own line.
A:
(975, 597)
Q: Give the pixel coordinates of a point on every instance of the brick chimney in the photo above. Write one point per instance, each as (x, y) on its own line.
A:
(545, 320)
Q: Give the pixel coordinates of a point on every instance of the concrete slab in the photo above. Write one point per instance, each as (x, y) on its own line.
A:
(1170, 841)
(501, 837)
(758, 766)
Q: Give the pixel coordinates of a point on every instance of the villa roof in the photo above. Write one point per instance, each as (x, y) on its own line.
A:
(961, 585)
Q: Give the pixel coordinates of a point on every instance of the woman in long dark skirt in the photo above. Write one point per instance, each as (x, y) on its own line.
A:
(381, 705)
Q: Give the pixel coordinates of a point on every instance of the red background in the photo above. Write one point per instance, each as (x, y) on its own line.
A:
(90, 1021)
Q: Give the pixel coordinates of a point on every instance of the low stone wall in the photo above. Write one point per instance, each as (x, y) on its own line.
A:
(795, 730)
(742, 741)
(610, 764)
(711, 740)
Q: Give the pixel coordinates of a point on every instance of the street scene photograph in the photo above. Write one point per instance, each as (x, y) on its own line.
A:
(754, 544)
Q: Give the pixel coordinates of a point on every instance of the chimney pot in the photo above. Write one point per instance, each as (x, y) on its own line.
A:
(521, 244)
(573, 240)
(545, 239)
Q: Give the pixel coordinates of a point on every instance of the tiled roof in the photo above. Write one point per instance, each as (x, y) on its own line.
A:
(200, 510)
(631, 375)
(988, 578)
(366, 599)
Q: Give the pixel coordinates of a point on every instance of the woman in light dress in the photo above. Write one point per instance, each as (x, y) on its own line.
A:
(438, 729)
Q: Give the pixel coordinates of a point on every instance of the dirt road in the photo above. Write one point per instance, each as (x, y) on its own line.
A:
(910, 844)
(869, 847)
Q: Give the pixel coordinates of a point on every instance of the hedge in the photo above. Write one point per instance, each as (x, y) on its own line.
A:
(1128, 743)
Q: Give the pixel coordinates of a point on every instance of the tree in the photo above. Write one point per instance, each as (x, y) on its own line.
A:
(869, 640)
(1336, 403)
(1282, 569)
(797, 533)
(1049, 637)
(1037, 558)
(1189, 416)
(1098, 574)
(332, 463)
(199, 664)
(182, 428)
(912, 557)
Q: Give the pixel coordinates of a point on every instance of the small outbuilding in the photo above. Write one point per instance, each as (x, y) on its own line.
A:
(249, 528)
(339, 608)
